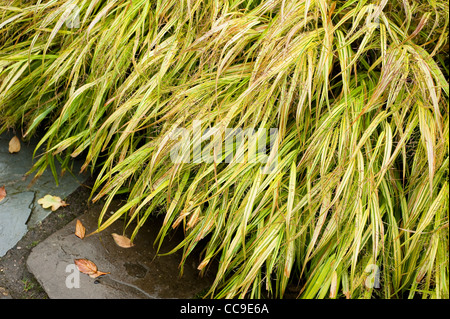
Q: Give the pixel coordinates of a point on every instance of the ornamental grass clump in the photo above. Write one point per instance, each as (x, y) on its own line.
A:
(356, 203)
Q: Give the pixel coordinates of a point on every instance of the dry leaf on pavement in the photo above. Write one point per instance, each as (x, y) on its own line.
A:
(2, 193)
(54, 202)
(89, 268)
(14, 145)
(122, 241)
(80, 230)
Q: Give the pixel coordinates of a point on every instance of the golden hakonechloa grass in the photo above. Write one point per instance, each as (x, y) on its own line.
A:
(358, 91)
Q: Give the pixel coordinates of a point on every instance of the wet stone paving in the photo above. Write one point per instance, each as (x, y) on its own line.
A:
(20, 210)
(136, 272)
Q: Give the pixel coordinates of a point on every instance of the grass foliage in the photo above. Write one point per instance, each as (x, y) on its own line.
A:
(357, 89)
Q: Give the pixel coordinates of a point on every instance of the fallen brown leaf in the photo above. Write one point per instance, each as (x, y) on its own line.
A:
(14, 145)
(89, 268)
(54, 202)
(86, 266)
(122, 241)
(2, 193)
(80, 230)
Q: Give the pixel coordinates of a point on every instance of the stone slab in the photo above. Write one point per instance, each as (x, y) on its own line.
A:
(15, 210)
(13, 168)
(20, 209)
(135, 272)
